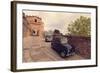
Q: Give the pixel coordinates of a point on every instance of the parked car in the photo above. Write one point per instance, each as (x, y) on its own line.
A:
(48, 38)
(63, 49)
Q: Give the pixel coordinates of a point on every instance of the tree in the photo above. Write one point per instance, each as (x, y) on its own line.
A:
(80, 27)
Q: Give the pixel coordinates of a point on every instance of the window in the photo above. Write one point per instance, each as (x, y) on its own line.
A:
(35, 20)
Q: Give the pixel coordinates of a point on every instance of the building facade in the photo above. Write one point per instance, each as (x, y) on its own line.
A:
(32, 26)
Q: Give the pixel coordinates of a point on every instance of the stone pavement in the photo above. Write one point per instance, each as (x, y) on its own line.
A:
(36, 50)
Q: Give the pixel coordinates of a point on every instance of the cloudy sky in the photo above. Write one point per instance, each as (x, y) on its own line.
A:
(56, 20)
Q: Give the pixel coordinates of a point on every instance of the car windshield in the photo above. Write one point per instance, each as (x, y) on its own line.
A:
(64, 40)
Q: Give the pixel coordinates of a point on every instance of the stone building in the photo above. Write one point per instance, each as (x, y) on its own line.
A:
(32, 26)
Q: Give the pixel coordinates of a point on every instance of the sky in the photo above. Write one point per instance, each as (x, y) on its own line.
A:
(56, 20)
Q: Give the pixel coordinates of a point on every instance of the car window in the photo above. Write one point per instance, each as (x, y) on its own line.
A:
(64, 40)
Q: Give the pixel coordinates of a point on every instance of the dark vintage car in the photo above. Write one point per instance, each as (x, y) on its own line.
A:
(61, 46)
(64, 50)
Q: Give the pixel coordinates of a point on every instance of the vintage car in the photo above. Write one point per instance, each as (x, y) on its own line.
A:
(63, 48)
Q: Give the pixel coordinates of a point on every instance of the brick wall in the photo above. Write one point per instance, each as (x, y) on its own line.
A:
(82, 44)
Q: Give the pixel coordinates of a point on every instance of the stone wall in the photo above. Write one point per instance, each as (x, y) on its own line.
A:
(82, 44)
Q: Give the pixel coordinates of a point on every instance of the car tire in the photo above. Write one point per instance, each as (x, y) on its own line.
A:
(62, 54)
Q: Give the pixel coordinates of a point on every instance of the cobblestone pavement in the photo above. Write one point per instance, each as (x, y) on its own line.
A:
(36, 50)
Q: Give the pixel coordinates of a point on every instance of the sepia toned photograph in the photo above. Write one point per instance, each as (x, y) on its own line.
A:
(46, 36)
(56, 36)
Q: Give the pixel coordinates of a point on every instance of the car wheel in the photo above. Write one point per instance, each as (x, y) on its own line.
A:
(62, 54)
